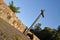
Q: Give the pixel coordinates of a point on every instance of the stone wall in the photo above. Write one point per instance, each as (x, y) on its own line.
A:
(8, 32)
(11, 28)
(7, 15)
(10, 24)
(34, 37)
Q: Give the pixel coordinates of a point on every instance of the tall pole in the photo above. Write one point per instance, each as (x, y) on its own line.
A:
(42, 11)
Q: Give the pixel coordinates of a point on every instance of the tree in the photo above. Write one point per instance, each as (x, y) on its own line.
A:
(36, 30)
(37, 27)
(55, 35)
(13, 8)
(48, 29)
(46, 33)
(59, 27)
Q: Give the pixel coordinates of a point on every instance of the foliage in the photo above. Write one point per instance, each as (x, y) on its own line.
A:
(47, 33)
(37, 27)
(13, 8)
(59, 27)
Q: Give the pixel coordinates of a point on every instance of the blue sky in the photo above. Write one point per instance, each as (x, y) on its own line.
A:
(30, 9)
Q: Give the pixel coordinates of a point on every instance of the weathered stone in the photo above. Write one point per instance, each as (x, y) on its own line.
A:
(11, 27)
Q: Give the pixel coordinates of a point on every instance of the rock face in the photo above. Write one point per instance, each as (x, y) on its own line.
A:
(11, 28)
